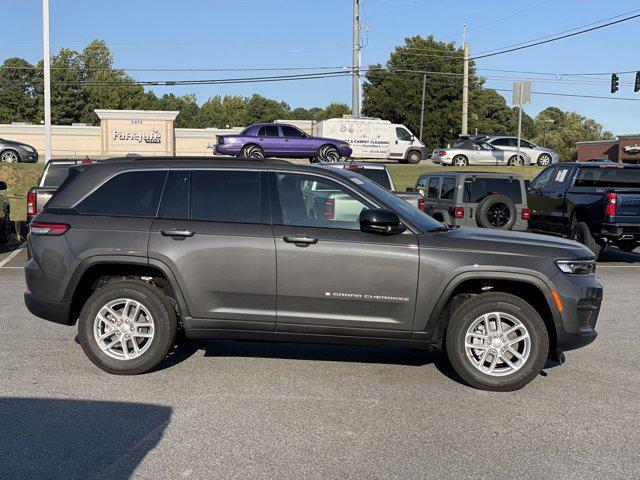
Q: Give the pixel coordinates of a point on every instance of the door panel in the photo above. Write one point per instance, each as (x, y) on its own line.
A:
(226, 271)
(347, 279)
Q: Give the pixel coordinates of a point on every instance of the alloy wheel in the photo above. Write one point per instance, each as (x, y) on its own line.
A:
(497, 344)
(544, 160)
(498, 215)
(9, 157)
(459, 161)
(123, 329)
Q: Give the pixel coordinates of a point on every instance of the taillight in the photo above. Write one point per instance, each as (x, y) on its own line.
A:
(421, 203)
(353, 166)
(458, 212)
(442, 153)
(31, 203)
(45, 228)
(611, 200)
(526, 214)
(329, 209)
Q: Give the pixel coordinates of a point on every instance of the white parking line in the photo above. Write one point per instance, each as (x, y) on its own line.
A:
(12, 255)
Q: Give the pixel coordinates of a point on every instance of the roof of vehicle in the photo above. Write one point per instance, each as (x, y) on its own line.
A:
(453, 173)
(588, 164)
(95, 174)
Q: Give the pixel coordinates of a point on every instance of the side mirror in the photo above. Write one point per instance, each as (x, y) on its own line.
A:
(413, 138)
(410, 190)
(3, 186)
(380, 221)
(527, 183)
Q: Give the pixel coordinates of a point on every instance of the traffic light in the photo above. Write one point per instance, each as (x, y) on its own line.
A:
(636, 87)
(614, 83)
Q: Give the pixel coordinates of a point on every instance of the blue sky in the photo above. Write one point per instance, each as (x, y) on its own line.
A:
(307, 33)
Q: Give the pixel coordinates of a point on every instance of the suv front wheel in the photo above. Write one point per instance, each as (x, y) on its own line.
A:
(497, 341)
(127, 327)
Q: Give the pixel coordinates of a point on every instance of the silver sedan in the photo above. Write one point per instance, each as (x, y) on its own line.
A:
(471, 153)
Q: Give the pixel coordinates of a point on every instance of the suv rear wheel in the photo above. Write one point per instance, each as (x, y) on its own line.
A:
(497, 341)
(127, 327)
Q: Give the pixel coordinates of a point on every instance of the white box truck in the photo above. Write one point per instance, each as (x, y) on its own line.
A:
(374, 138)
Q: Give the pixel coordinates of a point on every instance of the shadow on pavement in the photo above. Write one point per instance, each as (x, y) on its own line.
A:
(612, 254)
(56, 438)
(11, 246)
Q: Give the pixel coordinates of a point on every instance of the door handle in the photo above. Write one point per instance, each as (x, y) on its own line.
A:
(301, 241)
(177, 233)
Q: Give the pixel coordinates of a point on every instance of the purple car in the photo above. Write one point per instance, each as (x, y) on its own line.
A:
(279, 140)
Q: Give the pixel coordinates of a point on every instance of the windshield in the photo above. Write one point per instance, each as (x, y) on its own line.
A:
(417, 217)
(56, 174)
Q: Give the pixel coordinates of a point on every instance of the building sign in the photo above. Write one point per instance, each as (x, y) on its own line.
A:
(154, 136)
(633, 149)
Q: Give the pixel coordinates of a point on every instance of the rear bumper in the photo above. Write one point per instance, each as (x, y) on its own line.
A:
(57, 312)
(621, 231)
(227, 149)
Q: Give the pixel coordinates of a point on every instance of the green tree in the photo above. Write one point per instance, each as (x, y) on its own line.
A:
(18, 82)
(261, 109)
(333, 110)
(561, 130)
(394, 93)
(67, 100)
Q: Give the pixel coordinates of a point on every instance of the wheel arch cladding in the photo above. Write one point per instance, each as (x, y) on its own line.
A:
(89, 273)
(531, 289)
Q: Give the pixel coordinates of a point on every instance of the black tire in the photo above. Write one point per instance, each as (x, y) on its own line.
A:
(414, 157)
(251, 151)
(164, 319)
(544, 160)
(460, 161)
(468, 313)
(328, 154)
(5, 228)
(10, 156)
(515, 161)
(628, 246)
(580, 233)
(497, 212)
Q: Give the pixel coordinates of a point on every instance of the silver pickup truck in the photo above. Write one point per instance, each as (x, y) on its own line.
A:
(379, 174)
(55, 172)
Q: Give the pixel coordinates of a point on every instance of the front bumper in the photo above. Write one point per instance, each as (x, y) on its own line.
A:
(581, 297)
(345, 152)
(28, 157)
(424, 152)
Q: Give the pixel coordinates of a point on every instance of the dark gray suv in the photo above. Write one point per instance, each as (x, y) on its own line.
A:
(136, 250)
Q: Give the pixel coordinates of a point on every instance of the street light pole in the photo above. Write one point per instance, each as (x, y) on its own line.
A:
(465, 83)
(355, 82)
(424, 87)
(47, 80)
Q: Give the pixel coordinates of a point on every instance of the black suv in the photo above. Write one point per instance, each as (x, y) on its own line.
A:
(135, 250)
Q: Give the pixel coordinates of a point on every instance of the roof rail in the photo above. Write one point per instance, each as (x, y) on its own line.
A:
(187, 158)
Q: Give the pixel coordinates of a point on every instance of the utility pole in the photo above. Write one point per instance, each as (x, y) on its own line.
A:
(465, 83)
(424, 87)
(47, 80)
(355, 86)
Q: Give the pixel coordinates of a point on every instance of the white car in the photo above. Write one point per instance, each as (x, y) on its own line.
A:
(539, 155)
(469, 152)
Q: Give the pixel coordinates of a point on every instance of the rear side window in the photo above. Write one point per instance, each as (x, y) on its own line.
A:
(268, 131)
(476, 190)
(225, 196)
(432, 191)
(448, 188)
(56, 174)
(608, 177)
(129, 194)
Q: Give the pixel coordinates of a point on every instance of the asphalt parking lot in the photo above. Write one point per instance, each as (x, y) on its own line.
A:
(227, 409)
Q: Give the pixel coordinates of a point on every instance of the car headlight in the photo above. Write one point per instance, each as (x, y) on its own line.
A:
(27, 148)
(577, 267)
(344, 145)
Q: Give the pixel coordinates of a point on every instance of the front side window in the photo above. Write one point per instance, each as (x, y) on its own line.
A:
(448, 188)
(403, 134)
(544, 178)
(291, 132)
(129, 194)
(432, 191)
(226, 196)
(525, 144)
(311, 201)
(561, 176)
(501, 142)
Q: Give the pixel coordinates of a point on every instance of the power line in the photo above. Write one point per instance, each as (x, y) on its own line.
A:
(528, 44)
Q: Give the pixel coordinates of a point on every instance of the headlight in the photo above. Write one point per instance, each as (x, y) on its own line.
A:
(577, 267)
(27, 148)
(344, 145)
